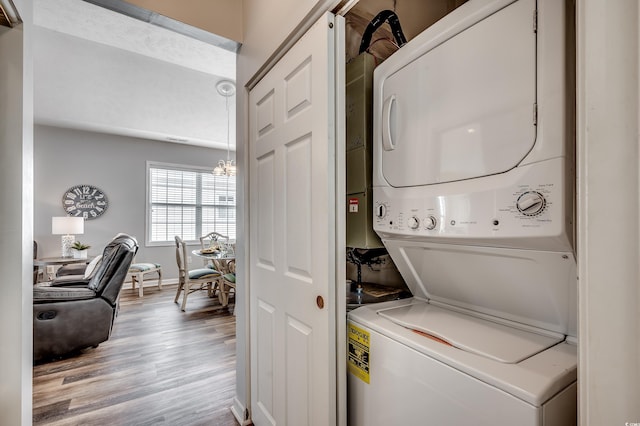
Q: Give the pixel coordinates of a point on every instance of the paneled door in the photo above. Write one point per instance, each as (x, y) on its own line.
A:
(292, 148)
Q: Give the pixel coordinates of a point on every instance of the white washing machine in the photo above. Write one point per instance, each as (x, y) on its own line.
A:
(473, 199)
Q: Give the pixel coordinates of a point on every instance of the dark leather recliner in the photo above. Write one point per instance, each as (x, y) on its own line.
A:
(69, 318)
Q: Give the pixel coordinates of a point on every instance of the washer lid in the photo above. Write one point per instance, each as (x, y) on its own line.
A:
(489, 339)
(535, 288)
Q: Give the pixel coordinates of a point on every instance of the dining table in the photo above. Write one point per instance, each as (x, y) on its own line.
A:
(219, 258)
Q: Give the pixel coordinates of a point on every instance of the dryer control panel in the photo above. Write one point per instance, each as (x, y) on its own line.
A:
(522, 208)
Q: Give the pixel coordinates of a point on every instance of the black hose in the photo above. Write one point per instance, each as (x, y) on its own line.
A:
(394, 23)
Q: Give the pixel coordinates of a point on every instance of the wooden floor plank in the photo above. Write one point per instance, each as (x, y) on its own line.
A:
(161, 366)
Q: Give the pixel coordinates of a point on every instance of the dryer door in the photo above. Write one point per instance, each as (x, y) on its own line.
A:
(464, 108)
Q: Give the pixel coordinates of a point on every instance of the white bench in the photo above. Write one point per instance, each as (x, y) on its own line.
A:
(137, 271)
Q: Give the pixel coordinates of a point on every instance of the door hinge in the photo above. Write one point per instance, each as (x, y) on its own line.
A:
(535, 21)
(535, 114)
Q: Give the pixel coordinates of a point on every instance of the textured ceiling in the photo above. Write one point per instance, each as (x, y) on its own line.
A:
(98, 70)
(90, 22)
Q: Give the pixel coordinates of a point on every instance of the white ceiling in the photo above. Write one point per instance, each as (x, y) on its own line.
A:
(99, 70)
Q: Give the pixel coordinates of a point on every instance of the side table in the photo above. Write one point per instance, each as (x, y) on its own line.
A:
(56, 261)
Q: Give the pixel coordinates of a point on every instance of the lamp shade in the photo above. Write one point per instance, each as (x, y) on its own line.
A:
(66, 225)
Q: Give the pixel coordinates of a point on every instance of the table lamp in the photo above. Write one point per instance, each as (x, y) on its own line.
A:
(67, 227)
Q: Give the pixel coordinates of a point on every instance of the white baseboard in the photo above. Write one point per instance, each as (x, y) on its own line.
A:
(239, 410)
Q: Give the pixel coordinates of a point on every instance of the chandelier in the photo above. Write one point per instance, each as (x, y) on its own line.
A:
(226, 88)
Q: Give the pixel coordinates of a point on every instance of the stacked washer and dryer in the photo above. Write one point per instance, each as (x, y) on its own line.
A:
(473, 198)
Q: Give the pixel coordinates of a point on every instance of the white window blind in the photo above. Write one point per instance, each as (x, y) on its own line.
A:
(189, 203)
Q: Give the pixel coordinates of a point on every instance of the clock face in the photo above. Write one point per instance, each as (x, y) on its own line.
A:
(85, 201)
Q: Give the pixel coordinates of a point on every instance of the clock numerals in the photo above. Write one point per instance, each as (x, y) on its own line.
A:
(86, 201)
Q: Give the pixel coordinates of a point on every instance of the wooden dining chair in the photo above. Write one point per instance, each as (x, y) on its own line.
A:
(227, 282)
(212, 239)
(195, 279)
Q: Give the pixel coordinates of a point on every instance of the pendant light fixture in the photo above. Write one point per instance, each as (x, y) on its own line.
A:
(227, 89)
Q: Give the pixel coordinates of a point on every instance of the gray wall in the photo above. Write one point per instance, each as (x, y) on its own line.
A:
(117, 165)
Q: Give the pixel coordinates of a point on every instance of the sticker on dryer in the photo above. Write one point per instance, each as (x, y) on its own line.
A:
(358, 356)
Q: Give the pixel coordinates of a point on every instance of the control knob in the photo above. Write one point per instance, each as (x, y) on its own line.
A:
(430, 223)
(413, 222)
(381, 211)
(531, 203)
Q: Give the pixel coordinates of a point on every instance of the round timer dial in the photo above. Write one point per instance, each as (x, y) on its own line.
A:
(531, 203)
(85, 201)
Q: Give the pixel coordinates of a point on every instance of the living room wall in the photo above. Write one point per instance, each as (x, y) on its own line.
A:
(116, 164)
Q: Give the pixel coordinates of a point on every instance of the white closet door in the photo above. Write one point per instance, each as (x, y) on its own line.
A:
(292, 141)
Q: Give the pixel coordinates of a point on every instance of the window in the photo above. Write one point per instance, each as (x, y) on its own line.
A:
(188, 202)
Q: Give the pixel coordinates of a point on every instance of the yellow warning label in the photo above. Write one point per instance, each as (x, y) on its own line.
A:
(358, 356)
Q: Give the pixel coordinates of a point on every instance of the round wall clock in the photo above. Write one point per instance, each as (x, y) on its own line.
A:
(85, 201)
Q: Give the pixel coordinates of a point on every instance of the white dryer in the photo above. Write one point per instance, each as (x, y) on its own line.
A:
(473, 199)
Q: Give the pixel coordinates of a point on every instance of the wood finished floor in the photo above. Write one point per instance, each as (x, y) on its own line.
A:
(161, 366)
